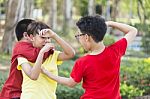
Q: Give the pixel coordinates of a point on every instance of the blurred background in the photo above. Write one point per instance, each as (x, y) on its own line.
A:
(62, 16)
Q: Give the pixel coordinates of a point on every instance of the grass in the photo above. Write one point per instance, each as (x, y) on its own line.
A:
(4, 59)
(3, 77)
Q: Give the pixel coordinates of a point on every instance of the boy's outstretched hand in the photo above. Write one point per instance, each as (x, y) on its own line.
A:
(44, 71)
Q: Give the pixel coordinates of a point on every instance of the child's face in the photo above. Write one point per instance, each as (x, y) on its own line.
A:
(82, 38)
(40, 41)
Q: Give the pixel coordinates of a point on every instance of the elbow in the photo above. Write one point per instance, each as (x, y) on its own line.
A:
(135, 30)
(33, 77)
(72, 54)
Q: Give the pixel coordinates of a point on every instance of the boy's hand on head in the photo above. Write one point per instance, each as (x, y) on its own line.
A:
(47, 31)
(47, 47)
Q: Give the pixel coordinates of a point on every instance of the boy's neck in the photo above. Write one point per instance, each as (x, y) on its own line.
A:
(97, 48)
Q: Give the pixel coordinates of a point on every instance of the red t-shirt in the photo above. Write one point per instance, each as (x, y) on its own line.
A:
(12, 86)
(100, 73)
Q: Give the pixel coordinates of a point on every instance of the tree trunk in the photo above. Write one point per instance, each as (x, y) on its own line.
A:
(138, 11)
(91, 7)
(108, 10)
(29, 6)
(67, 15)
(9, 26)
(15, 12)
(53, 14)
(142, 18)
(130, 13)
(115, 9)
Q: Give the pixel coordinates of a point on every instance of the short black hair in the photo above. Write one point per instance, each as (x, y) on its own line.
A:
(21, 27)
(93, 26)
(35, 27)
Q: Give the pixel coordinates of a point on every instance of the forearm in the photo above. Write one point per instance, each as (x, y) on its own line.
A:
(122, 27)
(35, 71)
(62, 80)
(67, 49)
(130, 32)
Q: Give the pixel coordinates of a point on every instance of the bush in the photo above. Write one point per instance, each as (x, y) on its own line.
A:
(136, 72)
(64, 92)
(108, 40)
(3, 77)
(129, 91)
(145, 29)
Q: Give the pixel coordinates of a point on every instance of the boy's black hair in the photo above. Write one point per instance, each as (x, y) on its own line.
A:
(35, 27)
(93, 26)
(21, 27)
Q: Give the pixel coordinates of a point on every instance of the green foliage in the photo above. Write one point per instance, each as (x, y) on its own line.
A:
(129, 91)
(65, 68)
(2, 7)
(38, 3)
(4, 59)
(108, 40)
(145, 29)
(82, 6)
(3, 77)
(64, 92)
(136, 72)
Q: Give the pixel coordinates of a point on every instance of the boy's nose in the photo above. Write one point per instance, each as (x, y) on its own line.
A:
(48, 40)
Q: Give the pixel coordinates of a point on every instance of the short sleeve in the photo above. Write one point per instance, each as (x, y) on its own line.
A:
(21, 60)
(77, 72)
(120, 47)
(56, 53)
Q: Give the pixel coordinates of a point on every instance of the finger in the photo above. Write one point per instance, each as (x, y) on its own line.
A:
(46, 30)
(40, 32)
(43, 32)
(50, 45)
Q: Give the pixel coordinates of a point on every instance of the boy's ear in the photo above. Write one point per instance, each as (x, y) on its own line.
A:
(87, 38)
(30, 37)
(25, 35)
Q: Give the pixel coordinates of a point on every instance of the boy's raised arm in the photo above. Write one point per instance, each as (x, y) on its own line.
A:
(130, 32)
(68, 51)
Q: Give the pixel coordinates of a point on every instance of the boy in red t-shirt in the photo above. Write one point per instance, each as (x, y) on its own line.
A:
(12, 87)
(99, 70)
(31, 46)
